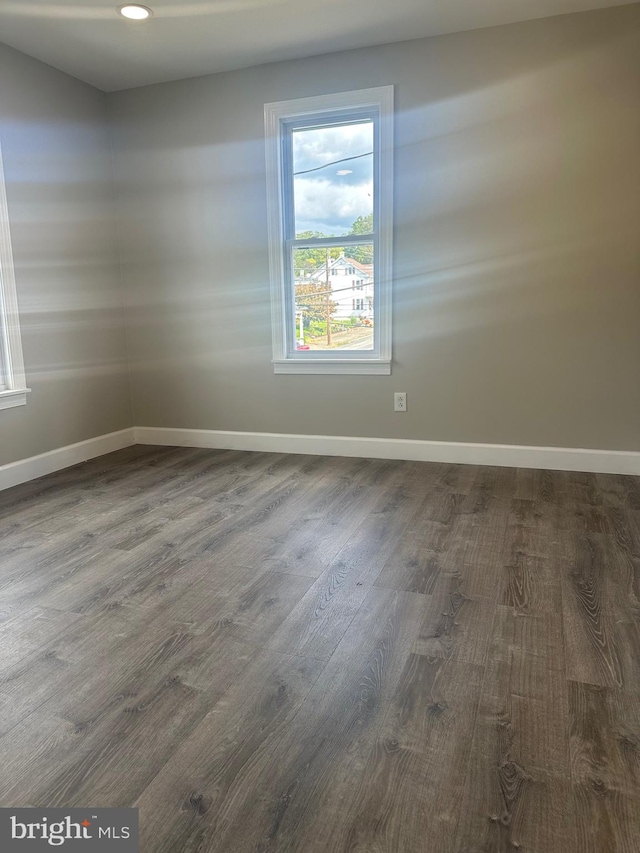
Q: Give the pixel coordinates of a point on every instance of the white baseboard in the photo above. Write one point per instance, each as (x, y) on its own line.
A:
(54, 460)
(506, 455)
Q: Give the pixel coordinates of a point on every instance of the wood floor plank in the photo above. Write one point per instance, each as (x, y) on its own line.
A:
(96, 745)
(600, 643)
(325, 525)
(416, 478)
(526, 486)
(269, 518)
(623, 572)
(492, 486)
(517, 793)
(122, 463)
(37, 626)
(581, 487)
(530, 582)
(478, 552)
(455, 625)
(302, 778)
(37, 583)
(612, 488)
(605, 739)
(54, 669)
(317, 624)
(254, 613)
(10, 714)
(539, 634)
(407, 795)
(539, 714)
(414, 567)
(505, 808)
(201, 784)
(113, 580)
(428, 549)
(604, 820)
(457, 478)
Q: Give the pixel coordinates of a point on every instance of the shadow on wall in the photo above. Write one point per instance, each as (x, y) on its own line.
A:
(65, 257)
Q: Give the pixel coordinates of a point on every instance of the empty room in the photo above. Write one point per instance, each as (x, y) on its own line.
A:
(320, 426)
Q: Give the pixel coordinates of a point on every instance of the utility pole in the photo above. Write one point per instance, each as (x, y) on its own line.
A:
(328, 289)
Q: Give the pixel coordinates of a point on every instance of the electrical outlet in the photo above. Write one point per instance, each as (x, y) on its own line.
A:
(400, 401)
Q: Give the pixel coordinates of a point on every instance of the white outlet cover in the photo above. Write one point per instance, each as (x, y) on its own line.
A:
(400, 401)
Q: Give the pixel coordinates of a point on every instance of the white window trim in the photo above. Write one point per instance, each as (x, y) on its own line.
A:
(379, 362)
(13, 384)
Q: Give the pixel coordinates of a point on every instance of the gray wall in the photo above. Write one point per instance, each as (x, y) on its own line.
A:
(517, 294)
(59, 186)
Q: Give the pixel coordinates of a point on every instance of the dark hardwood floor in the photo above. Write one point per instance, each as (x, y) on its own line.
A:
(283, 653)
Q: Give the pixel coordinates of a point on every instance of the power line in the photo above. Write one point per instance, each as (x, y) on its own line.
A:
(324, 292)
(333, 163)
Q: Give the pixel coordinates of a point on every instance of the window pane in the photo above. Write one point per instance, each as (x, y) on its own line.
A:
(335, 285)
(333, 180)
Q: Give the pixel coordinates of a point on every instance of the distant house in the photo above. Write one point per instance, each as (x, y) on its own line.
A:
(351, 287)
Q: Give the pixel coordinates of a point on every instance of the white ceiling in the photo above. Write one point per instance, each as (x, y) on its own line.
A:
(186, 38)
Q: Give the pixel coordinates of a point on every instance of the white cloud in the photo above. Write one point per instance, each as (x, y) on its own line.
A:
(320, 204)
(312, 148)
(326, 200)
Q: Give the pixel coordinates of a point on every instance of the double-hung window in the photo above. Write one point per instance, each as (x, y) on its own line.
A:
(13, 389)
(330, 203)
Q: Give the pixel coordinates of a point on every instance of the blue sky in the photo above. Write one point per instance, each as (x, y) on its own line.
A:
(326, 200)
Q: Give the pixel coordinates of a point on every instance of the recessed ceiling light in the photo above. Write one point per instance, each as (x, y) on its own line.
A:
(135, 12)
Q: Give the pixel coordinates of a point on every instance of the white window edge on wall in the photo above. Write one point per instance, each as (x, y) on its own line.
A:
(380, 97)
(368, 366)
(13, 384)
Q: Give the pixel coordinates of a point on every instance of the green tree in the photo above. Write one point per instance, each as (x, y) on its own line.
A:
(311, 299)
(363, 225)
(306, 261)
(362, 254)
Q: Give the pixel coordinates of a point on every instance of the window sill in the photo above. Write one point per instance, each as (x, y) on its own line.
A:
(348, 367)
(9, 399)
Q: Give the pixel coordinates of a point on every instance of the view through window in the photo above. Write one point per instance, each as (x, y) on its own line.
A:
(333, 197)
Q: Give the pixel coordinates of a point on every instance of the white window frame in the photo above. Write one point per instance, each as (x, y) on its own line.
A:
(280, 116)
(13, 385)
